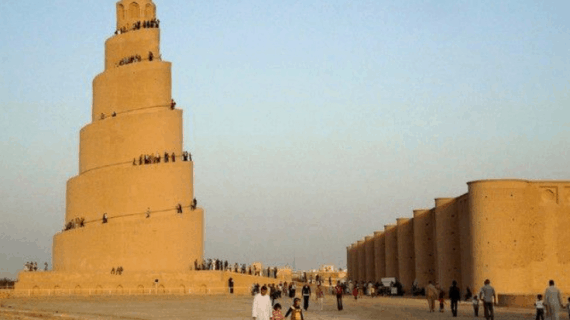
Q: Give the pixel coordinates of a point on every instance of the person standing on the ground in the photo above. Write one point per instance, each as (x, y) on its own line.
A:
(489, 298)
(441, 300)
(339, 291)
(295, 311)
(231, 285)
(355, 292)
(553, 301)
(320, 295)
(261, 309)
(306, 292)
(476, 305)
(454, 296)
(277, 315)
(431, 295)
(539, 306)
(292, 290)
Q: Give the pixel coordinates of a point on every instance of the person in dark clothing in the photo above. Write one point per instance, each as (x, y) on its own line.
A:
(454, 296)
(339, 291)
(306, 292)
(468, 294)
(441, 300)
(231, 285)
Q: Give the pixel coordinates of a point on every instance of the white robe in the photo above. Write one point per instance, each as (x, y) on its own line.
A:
(261, 309)
(553, 301)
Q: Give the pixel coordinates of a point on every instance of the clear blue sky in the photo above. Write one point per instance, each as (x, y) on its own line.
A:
(312, 123)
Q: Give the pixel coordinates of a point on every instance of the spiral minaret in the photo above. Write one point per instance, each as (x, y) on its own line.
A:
(131, 169)
(132, 207)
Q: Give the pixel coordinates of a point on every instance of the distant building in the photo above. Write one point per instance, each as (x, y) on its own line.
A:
(322, 274)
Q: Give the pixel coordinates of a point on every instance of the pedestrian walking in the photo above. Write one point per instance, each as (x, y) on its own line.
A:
(539, 306)
(231, 285)
(261, 309)
(441, 301)
(454, 296)
(295, 311)
(553, 301)
(431, 295)
(320, 295)
(306, 292)
(475, 305)
(489, 298)
(355, 292)
(339, 291)
(277, 315)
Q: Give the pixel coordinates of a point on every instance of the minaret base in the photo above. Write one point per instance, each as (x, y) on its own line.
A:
(51, 283)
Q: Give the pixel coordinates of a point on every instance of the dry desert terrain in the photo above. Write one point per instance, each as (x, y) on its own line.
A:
(226, 307)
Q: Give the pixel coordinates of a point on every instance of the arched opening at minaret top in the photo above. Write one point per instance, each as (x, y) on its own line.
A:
(149, 11)
(134, 11)
(130, 12)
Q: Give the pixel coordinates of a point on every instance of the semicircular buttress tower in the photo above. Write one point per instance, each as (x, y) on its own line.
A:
(131, 205)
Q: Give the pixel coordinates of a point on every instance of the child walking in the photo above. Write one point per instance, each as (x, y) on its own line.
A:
(355, 292)
(539, 305)
(277, 315)
(320, 296)
(476, 305)
(441, 300)
(295, 311)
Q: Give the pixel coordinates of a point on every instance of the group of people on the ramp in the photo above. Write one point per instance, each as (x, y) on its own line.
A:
(33, 266)
(157, 158)
(153, 23)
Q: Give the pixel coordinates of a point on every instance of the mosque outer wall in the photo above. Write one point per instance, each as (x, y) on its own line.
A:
(424, 246)
(406, 254)
(354, 258)
(512, 232)
(522, 258)
(392, 266)
(349, 266)
(370, 257)
(350, 261)
(447, 242)
(379, 255)
(361, 260)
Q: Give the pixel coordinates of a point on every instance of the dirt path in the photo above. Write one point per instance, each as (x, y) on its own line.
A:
(225, 307)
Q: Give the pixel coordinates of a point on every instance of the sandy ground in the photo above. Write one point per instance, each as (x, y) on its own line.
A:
(227, 307)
